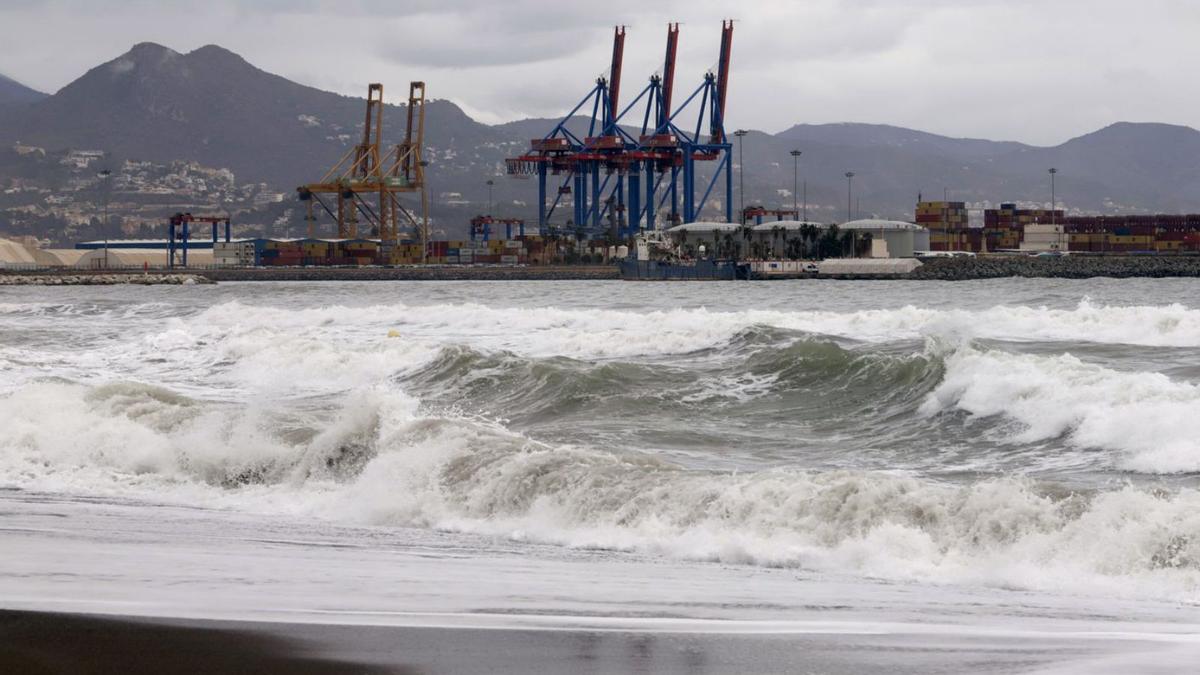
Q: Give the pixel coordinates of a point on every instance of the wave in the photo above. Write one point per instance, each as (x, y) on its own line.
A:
(1144, 418)
(379, 458)
(760, 373)
(605, 333)
(555, 425)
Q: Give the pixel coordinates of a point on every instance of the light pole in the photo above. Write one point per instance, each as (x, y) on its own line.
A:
(849, 193)
(490, 183)
(740, 133)
(106, 176)
(795, 180)
(1053, 200)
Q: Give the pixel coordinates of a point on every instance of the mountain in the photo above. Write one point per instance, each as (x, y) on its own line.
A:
(13, 92)
(211, 106)
(883, 135)
(1125, 167)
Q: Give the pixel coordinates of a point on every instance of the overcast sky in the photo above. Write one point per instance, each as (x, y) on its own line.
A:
(1037, 71)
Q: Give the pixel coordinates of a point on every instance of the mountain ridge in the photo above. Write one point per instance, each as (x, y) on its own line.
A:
(211, 105)
(13, 92)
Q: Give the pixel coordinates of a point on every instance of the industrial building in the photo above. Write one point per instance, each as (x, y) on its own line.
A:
(705, 239)
(795, 239)
(24, 253)
(890, 238)
(135, 258)
(785, 238)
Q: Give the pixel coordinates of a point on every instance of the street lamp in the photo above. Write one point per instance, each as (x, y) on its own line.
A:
(795, 180)
(490, 183)
(741, 177)
(1053, 200)
(105, 176)
(849, 192)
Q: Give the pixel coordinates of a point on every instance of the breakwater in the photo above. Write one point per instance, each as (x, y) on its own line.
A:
(25, 279)
(1066, 267)
(456, 273)
(937, 269)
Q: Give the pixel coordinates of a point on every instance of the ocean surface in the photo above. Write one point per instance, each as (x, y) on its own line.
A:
(1005, 458)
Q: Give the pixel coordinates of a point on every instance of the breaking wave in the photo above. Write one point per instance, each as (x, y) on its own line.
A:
(756, 436)
(379, 458)
(610, 333)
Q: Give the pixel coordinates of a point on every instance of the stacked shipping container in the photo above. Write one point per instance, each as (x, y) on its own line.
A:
(947, 223)
(1005, 229)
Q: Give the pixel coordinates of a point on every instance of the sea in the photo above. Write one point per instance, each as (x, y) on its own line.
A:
(1003, 469)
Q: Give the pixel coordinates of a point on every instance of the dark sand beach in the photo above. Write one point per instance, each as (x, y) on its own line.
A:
(44, 642)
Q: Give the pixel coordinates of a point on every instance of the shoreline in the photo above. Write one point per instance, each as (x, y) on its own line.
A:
(931, 269)
(33, 641)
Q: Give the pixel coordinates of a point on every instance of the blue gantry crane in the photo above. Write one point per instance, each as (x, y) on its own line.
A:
(624, 179)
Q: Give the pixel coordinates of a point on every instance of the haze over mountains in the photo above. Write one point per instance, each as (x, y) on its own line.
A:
(211, 106)
(13, 92)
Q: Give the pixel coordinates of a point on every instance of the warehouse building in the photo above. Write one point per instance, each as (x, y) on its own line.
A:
(24, 253)
(890, 238)
(136, 258)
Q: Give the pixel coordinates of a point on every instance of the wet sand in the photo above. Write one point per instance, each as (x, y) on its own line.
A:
(45, 643)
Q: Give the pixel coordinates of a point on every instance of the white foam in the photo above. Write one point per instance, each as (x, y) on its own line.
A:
(461, 474)
(604, 333)
(1147, 419)
(265, 446)
(1000, 532)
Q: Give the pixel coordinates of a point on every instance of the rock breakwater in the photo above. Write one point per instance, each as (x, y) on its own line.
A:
(101, 279)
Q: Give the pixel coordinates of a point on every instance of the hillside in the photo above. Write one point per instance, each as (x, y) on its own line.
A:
(13, 92)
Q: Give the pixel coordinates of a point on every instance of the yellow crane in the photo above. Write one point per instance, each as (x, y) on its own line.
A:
(366, 175)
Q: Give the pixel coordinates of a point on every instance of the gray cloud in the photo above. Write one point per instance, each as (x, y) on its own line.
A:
(1025, 70)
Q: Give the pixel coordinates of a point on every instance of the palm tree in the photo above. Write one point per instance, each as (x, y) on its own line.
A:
(808, 233)
(829, 244)
(730, 246)
(794, 248)
(846, 244)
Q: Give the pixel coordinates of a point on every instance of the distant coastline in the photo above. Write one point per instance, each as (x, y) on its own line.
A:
(936, 269)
